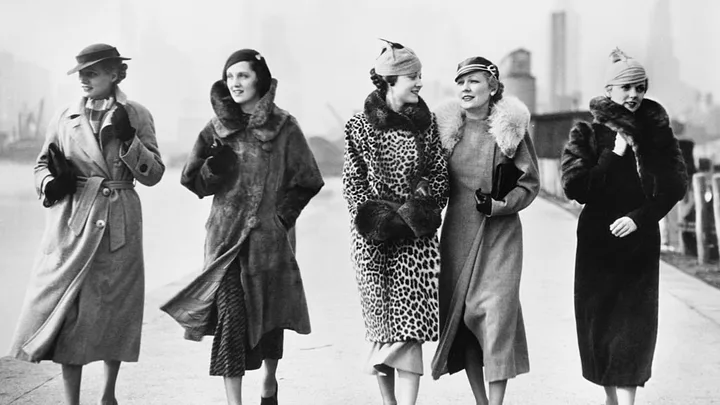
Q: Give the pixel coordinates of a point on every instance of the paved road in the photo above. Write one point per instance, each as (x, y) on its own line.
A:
(322, 368)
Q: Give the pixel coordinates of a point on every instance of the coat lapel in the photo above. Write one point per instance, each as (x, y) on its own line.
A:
(82, 134)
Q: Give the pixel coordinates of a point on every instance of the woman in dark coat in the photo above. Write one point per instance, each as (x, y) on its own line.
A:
(254, 159)
(482, 328)
(395, 181)
(627, 168)
(86, 297)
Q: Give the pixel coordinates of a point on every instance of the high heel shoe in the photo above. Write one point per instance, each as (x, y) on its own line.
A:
(272, 400)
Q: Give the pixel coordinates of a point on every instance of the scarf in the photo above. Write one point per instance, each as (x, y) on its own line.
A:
(95, 111)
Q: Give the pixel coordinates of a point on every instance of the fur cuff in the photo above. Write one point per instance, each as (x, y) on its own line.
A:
(379, 221)
(422, 216)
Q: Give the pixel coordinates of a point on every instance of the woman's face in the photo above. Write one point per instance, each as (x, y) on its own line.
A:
(406, 89)
(629, 95)
(474, 91)
(96, 83)
(242, 83)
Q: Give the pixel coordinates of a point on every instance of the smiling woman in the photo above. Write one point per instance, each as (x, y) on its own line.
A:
(254, 160)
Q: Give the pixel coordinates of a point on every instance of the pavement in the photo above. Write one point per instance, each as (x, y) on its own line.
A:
(323, 367)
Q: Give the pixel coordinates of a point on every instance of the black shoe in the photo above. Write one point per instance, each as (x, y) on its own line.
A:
(272, 400)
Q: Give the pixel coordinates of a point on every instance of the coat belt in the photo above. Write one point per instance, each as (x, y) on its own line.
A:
(89, 189)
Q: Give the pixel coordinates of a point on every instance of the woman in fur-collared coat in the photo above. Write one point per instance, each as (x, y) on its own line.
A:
(86, 297)
(394, 181)
(254, 160)
(627, 168)
(481, 244)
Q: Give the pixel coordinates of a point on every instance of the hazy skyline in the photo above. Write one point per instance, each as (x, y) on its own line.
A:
(321, 50)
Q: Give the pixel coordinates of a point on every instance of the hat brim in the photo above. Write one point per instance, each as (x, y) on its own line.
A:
(81, 66)
(465, 70)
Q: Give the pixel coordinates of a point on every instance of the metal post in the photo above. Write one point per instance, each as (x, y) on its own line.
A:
(700, 188)
(716, 203)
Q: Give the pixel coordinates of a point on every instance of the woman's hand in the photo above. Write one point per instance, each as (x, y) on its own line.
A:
(621, 144)
(623, 227)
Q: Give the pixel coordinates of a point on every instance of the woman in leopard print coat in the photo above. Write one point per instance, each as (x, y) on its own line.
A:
(395, 183)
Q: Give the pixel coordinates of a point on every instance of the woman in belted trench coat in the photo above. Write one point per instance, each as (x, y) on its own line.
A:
(86, 295)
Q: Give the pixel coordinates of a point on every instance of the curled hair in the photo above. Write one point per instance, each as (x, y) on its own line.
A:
(497, 86)
(382, 82)
(114, 66)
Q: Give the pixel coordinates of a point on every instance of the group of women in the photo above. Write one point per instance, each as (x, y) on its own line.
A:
(472, 158)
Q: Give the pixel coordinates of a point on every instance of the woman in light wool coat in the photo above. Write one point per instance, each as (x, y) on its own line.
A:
(86, 295)
(481, 246)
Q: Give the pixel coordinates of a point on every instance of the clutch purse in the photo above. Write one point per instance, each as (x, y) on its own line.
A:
(505, 179)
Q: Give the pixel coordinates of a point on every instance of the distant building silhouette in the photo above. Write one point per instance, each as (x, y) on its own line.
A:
(516, 75)
(564, 70)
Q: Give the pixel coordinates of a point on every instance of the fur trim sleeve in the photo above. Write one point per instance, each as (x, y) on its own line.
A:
(583, 170)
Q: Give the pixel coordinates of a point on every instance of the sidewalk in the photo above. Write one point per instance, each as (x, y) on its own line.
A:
(322, 368)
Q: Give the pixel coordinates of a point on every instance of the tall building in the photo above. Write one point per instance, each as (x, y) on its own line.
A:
(663, 67)
(516, 74)
(564, 64)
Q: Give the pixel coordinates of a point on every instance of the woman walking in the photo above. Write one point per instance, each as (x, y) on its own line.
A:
(627, 168)
(254, 160)
(493, 176)
(394, 182)
(86, 296)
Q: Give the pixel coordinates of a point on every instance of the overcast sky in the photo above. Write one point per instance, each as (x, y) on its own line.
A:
(321, 50)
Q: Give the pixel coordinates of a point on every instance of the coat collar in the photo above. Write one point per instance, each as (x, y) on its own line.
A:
(412, 117)
(85, 137)
(264, 123)
(508, 123)
(619, 119)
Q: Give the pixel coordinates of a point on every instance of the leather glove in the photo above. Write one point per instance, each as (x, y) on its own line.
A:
(64, 177)
(222, 160)
(483, 202)
(121, 124)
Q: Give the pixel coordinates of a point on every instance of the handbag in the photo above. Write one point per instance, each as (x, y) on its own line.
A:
(505, 178)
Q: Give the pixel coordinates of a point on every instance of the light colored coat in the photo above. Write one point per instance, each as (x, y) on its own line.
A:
(86, 295)
(482, 255)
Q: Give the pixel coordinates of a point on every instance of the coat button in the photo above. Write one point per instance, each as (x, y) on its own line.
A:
(143, 168)
(106, 192)
(100, 223)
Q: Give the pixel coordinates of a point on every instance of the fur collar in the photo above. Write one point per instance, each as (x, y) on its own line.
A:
(509, 122)
(412, 117)
(264, 123)
(649, 116)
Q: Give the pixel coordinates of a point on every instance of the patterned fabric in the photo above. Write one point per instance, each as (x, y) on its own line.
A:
(230, 355)
(95, 111)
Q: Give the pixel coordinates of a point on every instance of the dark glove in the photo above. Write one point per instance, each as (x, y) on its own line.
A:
(483, 202)
(64, 177)
(222, 160)
(121, 124)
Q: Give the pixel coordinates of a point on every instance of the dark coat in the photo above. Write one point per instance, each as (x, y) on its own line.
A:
(397, 279)
(254, 207)
(616, 279)
(86, 296)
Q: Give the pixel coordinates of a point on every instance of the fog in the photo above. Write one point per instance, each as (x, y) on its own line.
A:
(321, 50)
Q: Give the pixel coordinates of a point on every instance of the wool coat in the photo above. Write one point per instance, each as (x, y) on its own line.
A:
(397, 279)
(616, 279)
(482, 254)
(86, 294)
(254, 208)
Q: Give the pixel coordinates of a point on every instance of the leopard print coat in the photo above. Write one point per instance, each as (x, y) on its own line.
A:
(397, 280)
